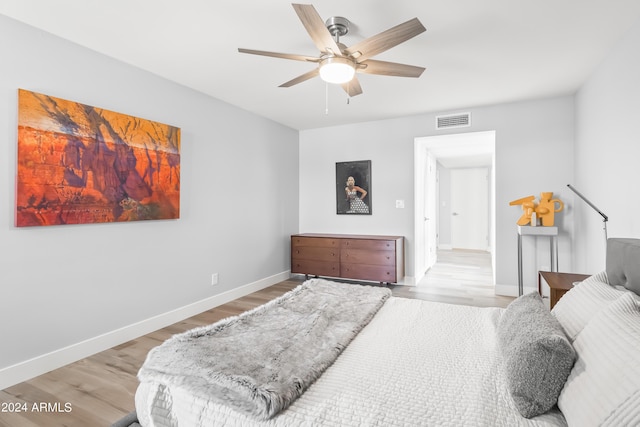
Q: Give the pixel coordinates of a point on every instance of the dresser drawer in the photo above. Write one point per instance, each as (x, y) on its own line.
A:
(366, 256)
(315, 241)
(379, 245)
(315, 268)
(315, 253)
(369, 272)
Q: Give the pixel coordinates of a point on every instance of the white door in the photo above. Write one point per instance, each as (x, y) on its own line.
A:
(470, 208)
(420, 157)
(425, 210)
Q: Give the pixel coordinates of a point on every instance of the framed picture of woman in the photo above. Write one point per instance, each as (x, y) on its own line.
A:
(353, 187)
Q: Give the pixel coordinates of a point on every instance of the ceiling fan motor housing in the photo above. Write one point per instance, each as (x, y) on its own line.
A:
(337, 26)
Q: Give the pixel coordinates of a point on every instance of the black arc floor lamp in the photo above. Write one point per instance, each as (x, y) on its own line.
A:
(604, 217)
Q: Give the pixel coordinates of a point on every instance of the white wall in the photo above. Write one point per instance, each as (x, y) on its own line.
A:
(534, 153)
(608, 153)
(61, 285)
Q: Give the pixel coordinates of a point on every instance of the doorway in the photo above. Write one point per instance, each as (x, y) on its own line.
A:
(460, 160)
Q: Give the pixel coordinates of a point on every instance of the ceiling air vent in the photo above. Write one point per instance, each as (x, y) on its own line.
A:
(453, 121)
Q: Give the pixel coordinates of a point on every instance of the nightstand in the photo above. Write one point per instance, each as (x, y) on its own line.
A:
(559, 284)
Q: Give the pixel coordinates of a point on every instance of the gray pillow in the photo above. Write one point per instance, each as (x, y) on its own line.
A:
(536, 354)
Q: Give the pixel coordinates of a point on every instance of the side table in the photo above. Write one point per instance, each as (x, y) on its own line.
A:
(559, 284)
(527, 230)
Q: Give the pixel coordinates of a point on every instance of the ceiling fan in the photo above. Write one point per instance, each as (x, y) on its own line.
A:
(338, 63)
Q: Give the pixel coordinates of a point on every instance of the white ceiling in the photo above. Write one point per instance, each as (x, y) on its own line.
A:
(475, 52)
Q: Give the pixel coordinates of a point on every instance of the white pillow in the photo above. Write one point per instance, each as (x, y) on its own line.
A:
(583, 301)
(603, 387)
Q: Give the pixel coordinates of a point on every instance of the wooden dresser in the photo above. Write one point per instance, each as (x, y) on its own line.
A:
(358, 257)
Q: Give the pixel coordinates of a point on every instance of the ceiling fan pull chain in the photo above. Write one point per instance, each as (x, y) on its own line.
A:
(326, 99)
(348, 91)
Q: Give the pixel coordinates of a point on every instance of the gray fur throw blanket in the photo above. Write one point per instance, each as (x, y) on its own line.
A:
(262, 360)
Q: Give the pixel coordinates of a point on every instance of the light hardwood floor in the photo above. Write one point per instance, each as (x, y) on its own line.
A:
(99, 390)
(459, 277)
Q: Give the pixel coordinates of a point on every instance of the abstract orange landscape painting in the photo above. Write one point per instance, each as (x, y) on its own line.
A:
(79, 164)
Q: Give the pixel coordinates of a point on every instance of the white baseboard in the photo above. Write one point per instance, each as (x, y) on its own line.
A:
(408, 281)
(39, 365)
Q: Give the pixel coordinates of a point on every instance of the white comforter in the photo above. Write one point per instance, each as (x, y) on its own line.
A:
(417, 363)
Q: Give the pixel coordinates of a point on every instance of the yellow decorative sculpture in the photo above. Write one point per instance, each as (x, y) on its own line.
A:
(547, 207)
(543, 211)
(528, 206)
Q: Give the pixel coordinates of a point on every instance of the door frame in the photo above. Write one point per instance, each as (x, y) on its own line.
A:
(462, 146)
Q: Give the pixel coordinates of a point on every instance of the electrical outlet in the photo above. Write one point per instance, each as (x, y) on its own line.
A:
(214, 279)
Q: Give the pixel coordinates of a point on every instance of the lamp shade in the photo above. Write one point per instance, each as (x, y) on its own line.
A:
(337, 70)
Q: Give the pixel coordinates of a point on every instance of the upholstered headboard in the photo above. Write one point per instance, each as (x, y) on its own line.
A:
(623, 263)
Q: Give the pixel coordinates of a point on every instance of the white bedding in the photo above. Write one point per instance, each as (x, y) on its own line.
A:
(416, 363)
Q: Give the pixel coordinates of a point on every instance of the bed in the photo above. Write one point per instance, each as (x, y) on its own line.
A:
(336, 354)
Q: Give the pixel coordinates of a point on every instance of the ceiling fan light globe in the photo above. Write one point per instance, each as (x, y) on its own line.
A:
(337, 70)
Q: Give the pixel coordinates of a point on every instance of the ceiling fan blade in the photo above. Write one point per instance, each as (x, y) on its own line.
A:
(389, 68)
(280, 55)
(306, 76)
(386, 40)
(316, 28)
(353, 87)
